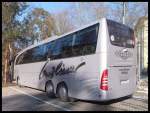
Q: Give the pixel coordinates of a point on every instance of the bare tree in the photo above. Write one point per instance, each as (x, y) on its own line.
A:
(100, 10)
(134, 10)
(85, 12)
(62, 22)
(81, 13)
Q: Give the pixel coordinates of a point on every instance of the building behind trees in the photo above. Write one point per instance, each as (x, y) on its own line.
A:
(141, 33)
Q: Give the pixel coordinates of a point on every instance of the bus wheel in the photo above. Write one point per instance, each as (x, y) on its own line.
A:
(72, 99)
(63, 92)
(49, 88)
(18, 83)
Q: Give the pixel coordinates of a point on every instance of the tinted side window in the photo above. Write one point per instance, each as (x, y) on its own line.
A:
(55, 49)
(20, 59)
(66, 43)
(82, 42)
(27, 56)
(48, 49)
(38, 54)
(17, 60)
(86, 41)
(61, 48)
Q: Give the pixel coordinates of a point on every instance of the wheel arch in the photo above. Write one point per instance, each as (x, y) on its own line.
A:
(59, 84)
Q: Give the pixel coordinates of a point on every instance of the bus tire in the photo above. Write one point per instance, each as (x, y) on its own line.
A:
(62, 92)
(72, 99)
(18, 82)
(49, 88)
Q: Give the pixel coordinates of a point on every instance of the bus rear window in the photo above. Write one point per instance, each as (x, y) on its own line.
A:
(120, 35)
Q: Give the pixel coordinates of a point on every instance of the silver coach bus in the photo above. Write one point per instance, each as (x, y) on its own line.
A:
(95, 62)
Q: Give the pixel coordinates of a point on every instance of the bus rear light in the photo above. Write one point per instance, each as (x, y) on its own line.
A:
(104, 80)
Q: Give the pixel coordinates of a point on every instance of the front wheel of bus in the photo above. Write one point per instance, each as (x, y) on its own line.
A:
(18, 81)
(50, 89)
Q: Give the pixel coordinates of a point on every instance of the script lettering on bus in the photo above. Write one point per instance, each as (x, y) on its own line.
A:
(60, 70)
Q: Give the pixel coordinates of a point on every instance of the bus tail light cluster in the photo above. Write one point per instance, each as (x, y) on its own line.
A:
(104, 80)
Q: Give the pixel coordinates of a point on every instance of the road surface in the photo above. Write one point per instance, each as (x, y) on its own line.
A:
(15, 98)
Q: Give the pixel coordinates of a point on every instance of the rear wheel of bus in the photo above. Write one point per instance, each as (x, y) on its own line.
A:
(62, 92)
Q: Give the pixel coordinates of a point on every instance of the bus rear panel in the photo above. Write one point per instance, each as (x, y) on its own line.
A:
(118, 77)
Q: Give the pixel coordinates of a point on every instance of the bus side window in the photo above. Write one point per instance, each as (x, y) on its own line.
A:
(27, 57)
(66, 50)
(49, 53)
(20, 59)
(56, 50)
(85, 41)
(17, 60)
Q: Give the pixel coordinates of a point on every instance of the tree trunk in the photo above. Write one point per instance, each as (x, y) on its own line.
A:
(6, 65)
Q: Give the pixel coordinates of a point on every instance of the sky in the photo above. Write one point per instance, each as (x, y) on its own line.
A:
(52, 7)
(56, 7)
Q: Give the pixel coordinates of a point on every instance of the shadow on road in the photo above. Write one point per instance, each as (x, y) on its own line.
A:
(110, 101)
(23, 102)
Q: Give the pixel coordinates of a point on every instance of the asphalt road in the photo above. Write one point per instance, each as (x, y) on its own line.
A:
(15, 98)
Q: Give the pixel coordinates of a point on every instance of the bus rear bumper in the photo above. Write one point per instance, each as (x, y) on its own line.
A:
(104, 97)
